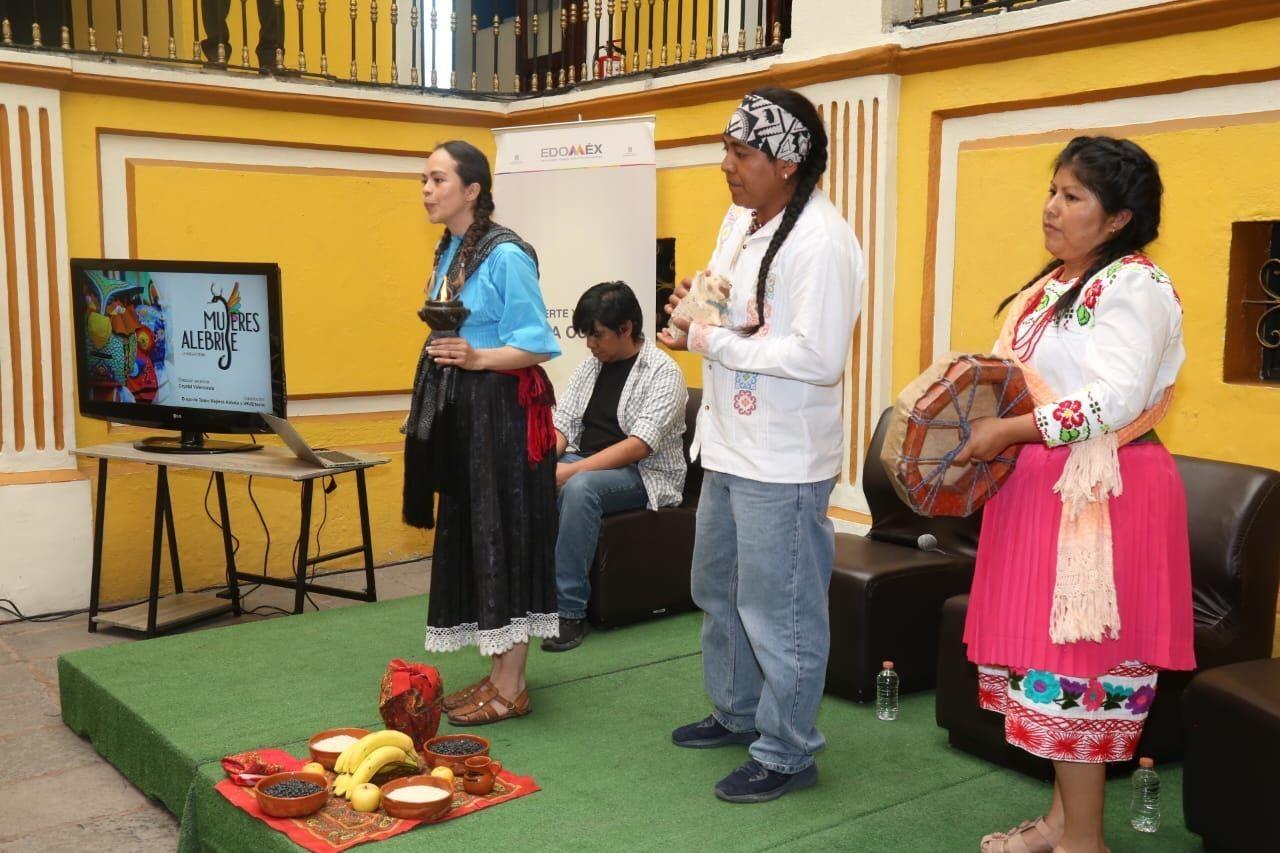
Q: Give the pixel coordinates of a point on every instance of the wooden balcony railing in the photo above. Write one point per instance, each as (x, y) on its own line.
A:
(507, 48)
(927, 12)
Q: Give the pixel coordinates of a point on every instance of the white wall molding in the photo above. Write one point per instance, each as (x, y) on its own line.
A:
(31, 310)
(869, 170)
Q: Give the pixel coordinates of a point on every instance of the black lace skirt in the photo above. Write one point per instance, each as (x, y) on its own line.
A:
(493, 571)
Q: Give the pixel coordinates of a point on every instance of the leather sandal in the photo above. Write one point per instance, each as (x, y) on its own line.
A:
(461, 697)
(1018, 840)
(486, 706)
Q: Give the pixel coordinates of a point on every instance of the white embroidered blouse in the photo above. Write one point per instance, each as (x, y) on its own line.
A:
(1113, 356)
(771, 402)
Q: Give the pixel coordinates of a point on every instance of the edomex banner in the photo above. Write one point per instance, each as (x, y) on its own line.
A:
(584, 194)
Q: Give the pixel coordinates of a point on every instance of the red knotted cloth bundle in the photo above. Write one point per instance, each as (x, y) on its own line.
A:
(411, 699)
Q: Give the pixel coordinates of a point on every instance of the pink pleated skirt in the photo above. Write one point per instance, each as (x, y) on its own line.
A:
(1012, 595)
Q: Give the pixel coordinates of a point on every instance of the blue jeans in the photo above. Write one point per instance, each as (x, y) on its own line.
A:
(584, 499)
(762, 562)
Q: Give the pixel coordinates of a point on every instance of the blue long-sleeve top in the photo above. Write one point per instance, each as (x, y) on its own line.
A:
(505, 301)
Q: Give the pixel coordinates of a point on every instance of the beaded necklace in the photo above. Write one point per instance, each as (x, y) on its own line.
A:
(1024, 344)
(752, 228)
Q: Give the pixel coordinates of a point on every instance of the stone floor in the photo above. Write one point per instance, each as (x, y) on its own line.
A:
(41, 759)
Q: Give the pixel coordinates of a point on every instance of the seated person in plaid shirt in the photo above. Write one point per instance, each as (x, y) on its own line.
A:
(623, 417)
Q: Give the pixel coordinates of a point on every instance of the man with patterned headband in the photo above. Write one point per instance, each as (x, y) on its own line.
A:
(770, 438)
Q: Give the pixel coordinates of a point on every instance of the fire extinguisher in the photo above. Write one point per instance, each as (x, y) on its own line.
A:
(609, 57)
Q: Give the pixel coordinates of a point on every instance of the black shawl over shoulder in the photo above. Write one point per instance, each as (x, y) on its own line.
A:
(426, 460)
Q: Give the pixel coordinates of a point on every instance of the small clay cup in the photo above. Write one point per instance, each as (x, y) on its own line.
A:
(481, 771)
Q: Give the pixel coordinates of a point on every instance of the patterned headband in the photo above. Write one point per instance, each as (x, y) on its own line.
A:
(764, 125)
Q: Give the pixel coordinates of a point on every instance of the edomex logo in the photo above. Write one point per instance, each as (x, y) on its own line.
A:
(566, 152)
(222, 326)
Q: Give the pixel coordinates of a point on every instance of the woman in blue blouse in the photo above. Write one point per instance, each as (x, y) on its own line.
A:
(479, 433)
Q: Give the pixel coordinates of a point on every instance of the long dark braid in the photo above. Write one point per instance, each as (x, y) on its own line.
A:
(473, 168)
(479, 227)
(806, 177)
(1123, 177)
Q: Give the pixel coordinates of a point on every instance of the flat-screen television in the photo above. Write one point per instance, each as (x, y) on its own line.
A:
(191, 346)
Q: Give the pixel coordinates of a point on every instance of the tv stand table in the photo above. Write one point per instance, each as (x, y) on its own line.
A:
(158, 614)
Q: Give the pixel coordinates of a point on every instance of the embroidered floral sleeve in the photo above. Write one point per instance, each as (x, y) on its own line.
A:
(1128, 317)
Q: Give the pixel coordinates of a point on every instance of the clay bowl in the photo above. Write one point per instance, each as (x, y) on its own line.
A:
(453, 762)
(417, 811)
(328, 758)
(291, 806)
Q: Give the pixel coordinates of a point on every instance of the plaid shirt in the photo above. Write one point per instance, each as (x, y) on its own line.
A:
(651, 408)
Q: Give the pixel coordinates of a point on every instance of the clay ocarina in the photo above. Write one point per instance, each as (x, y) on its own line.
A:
(707, 302)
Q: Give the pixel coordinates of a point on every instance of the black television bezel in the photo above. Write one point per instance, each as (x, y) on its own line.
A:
(182, 418)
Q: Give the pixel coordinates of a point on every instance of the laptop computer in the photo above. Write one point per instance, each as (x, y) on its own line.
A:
(300, 448)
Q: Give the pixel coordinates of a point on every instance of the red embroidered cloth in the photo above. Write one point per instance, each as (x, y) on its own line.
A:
(337, 826)
(411, 699)
(246, 768)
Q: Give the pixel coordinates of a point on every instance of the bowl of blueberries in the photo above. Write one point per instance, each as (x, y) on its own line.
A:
(451, 750)
(291, 794)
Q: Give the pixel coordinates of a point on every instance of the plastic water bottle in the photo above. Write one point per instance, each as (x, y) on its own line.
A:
(887, 693)
(1144, 808)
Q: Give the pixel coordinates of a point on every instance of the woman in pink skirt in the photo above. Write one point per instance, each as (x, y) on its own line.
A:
(1082, 591)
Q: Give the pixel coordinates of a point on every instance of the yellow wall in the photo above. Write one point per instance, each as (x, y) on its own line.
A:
(1212, 177)
(691, 203)
(354, 251)
(1001, 190)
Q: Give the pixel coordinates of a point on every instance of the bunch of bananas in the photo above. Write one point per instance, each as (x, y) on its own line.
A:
(368, 756)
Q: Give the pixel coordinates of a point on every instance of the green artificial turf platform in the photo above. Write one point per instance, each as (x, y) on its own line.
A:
(165, 711)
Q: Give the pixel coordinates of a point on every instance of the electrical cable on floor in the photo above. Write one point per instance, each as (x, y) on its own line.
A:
(262, 609)
(8, 605)
(55, 615)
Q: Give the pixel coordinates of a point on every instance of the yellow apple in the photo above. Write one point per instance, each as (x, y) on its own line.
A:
(313, 767)
(443, 773)
(366, 797)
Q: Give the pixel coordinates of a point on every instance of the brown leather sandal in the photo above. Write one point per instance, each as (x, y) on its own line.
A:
(463, 696)
(486, 706)
(1019, 839)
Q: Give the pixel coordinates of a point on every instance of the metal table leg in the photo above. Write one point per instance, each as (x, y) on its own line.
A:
(304, 542)
(99, 516)
(366, 540)
(157, 546)
(233, 584)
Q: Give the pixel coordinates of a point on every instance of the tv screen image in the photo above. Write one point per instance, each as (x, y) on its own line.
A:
(189, 346)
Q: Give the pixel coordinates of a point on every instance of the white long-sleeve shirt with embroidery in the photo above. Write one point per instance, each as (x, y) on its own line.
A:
(771, 402)
(1113, 356)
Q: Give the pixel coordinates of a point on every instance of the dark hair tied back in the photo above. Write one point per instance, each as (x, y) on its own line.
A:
(473, 168)
(807, 175)
(1123, 177)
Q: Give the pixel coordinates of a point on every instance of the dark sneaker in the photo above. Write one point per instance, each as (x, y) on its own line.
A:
(709, 734)
(572, 632)
(755, 783)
